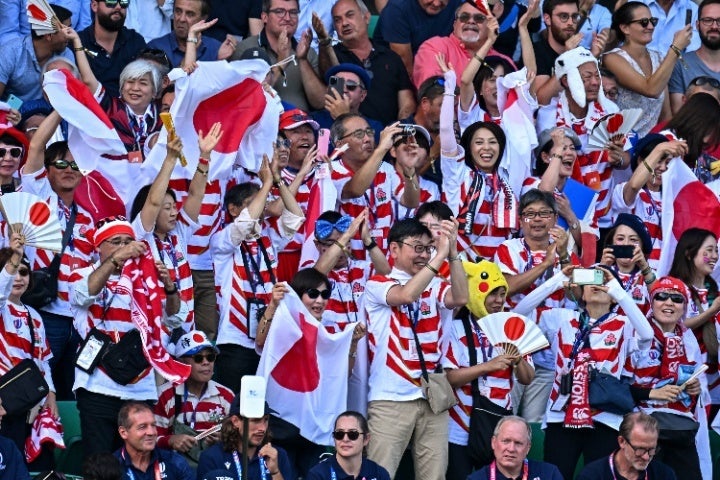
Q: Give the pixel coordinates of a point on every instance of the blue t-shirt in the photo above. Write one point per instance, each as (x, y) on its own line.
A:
(12, 463)
(215, 458)
(403, 21)
(536, 469)
(207, 51)
(369, 470)
(170, 463)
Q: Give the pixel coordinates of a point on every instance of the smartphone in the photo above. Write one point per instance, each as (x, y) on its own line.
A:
(688, 16)
(14, 102)
(323, 142)
(588, 276)
(623, 251)
(337, 84)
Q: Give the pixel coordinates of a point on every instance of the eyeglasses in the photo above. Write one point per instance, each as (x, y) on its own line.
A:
(281, 12)
(314, 293)
(541, 214)
(15, 152)
(674, 297)
(113, 3)
(419, 248)
(156, 55)
(642, 451)
(351, 434)
(106, 220)
(705, 80)
(360, 133)
(644, 22)
(564, 17)
(23, 271)
(709, 21)
(116, 242)
(611, 93)
(199, 357)
(476, 17)
(283, 143)
(62, 164)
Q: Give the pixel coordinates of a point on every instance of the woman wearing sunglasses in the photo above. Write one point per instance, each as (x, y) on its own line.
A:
(351, 436)
(22, 336)
(643, 74)
(661, 380)
(13, 146)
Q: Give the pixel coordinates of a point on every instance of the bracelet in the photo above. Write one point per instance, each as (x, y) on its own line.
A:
(432, 269)
(565, 259)
(448, 94)
(204, 161)
(676, 50)
(651, 281)
(555, 155)
(171, 292)
(649, 168)
(410, 177)
(371, 245)
(479, 59)
(324, 42)
(16, 265)
(646, 271)
(340, 245)
(201, 171)
(192, 40)
(78, 49)
(456, 258)
(115, 262)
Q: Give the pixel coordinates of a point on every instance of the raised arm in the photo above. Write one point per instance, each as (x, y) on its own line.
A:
(36, 151)
(156, 194)
(196, 190)
(448, 143)
(526, 47)
(467, 88)
(327, 260)
(360, 182)
(86, 73)
(647, 169)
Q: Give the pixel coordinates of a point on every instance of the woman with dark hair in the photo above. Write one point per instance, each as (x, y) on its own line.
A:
(643, 74)
(641, 195)
(351, 436)
(691, 124)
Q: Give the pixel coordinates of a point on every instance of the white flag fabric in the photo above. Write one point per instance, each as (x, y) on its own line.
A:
(323, 197)
(230, 93)
(306, 369)
(686, 203)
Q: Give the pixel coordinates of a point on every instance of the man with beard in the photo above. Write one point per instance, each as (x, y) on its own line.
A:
(469, 34)
(265, 462)
(703, 62)
(109, 44)
(634, 459)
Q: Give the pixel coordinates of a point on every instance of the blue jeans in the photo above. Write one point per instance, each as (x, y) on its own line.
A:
(64, 341)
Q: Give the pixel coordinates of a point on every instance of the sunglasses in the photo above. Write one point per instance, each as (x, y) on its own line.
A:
(155, 54)
(61, 164)
(114, 218)
(283, 143)
(644, 22)
(351, 434)
(314, 293)
(674, 297)
(15, 152)
(23, 271)
(476, 17)
(705, 80)
(113, 3)
(199, 357)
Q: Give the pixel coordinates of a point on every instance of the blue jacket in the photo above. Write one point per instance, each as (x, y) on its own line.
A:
(12, 463)
(215, 458)
(369, 470)
(171, 464)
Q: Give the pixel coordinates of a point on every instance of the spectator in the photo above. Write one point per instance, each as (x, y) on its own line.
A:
(508, 31)
(101, 466)
(150, 18)
(351, 436)
(12, 459)
(662, 373)
(265, 461)
(635, 459)
(189, 20)
(33, 114)
(111, 45)
(511, 445)
(311, 10)
(238, 19)
(609, 84)
(470, 32)
(300, 85)
(702, 137)
(100, 306)
(576, 426)
(23, 58)
(672, 17)
(410, 301)
(199, 404)
(703, 62)
(14, 150)
(405, 24)
(139, 455)
(387, 100)
(52, 174)
(427, 115)
(23, 337)
(642, 74)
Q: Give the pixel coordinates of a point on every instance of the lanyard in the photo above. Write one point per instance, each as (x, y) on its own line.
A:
(482, 340)
(131, 475)
(371, 208)
(582, 334)
(105, 302)
(493, 470)
(471, 201)
(238, 466)
(627, 286)
(193, 418)
(612, 467)
(252, 267)
(413, 313)
(547, 274)
(352, 299)
(161, 247)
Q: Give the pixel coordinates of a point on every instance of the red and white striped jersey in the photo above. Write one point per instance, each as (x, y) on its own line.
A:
(79, 252)
(395, 369)
(109, 312)
(198, 413)
(495, 385)
(459, 187)
(343, 307)
(18, 343)
(302, 198)
(378, 199)
(634, 285)
(647, 206)
(429, 192)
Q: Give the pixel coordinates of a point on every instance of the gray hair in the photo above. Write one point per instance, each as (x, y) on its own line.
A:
(361, 6)
(138, 69)
(513, 418)
(59, 58)
(648, 423)
(338, 130)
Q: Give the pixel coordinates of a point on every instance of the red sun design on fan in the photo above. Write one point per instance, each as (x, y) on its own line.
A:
(614, 123)
(514, 328)
(239, 107)
(39, 213)
(36, 13)
(696, 206)
(197, 338)
(302, 354)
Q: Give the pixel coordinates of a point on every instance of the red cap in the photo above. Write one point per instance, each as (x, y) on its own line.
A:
(294, 118)
(668, 283)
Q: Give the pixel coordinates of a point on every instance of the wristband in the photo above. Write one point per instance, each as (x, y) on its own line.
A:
(204, 161)
(651, 280)
(432, 269)
(201, 171)
(676, 50)
(325, 41)
(456, 258)
(370, 245)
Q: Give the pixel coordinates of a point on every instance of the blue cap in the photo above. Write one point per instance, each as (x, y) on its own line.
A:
(349, 67)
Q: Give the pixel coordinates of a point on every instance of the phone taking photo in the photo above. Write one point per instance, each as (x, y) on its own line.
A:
(623, 251)
(588, 276)
(337, 84)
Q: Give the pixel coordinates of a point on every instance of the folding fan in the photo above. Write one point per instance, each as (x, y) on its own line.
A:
(612, 125)
(481, 5)
(30, 216)
(42, 17)
(169, 125)
(515, 334)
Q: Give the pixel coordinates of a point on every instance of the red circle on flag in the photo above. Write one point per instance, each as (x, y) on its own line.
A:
(39, 213)
(695, 206)
(514, 328)
(198, 338)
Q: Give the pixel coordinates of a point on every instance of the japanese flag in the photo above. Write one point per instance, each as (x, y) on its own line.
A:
(306, 369)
